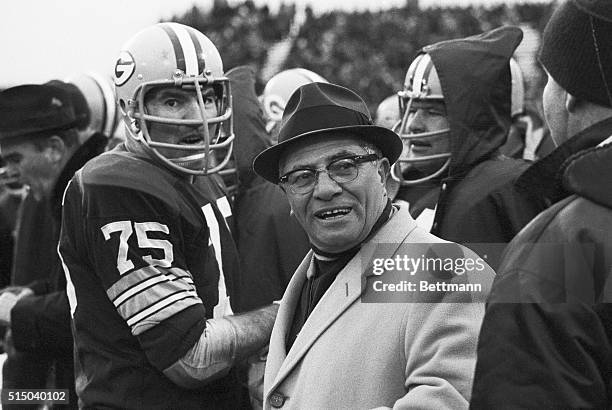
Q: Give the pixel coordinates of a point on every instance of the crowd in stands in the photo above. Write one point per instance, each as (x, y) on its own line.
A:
(365, 51)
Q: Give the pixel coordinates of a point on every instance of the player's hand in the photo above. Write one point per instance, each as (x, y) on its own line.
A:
(19, 291)
(8, 299)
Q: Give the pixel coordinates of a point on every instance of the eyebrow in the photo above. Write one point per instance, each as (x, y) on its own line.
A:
(327, 160)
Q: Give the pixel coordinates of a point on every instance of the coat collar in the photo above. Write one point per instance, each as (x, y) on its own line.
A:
(589, 172)
(341, 294)
(544, 179)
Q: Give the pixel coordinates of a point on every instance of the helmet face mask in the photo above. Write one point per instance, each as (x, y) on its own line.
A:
(174, 56)
(421, 86)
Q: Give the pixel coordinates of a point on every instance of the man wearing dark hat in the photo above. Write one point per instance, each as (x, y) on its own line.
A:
(39, 141)
(328, 348)
(550, 346)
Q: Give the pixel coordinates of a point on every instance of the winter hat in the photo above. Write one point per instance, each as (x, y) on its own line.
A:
(577, 49)
(32, 109)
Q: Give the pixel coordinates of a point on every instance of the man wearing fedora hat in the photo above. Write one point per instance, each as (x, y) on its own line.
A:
(329, 349)
(546, 336)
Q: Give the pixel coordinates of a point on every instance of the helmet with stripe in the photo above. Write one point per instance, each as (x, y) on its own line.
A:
(280, 87)
(421, 84)
(102, 115)
(175, 55)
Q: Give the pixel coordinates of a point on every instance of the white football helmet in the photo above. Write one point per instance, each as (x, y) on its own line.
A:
(99, 92)
(278, 90)
(421, 83)
(175, 55)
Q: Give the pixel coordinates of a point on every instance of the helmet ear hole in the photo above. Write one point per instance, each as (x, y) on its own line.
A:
(122, 104)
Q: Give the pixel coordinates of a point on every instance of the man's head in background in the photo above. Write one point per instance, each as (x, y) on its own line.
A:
(277, 91)
(37, 134)
(388, 112)
(577, 56)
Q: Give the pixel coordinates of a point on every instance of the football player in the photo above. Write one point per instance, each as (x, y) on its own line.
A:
(456, 114)
(150, 263)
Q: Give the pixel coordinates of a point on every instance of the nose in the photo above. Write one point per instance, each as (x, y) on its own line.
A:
(325, 187)
(192, 109)
(406, 150)
(416, 123)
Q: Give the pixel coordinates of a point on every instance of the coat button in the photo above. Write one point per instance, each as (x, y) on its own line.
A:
(277, 400)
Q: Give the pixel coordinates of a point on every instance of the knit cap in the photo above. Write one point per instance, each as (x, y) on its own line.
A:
(577, 49)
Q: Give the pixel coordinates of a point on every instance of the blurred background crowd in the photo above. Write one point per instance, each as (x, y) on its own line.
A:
(364, 51)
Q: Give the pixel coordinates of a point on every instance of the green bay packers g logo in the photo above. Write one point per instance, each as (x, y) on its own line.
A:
(124, 68)
(274, 105)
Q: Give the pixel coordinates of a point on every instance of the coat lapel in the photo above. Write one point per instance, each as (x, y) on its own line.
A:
(341, 294)
(284, 318)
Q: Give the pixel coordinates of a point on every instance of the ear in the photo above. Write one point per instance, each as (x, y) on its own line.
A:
(571, 103)
(383, 169)
(56, 149)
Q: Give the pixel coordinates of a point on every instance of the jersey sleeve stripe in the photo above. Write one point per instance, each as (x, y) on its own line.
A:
(161, 281)
(140, 299)
(162, 310)
(136, 280)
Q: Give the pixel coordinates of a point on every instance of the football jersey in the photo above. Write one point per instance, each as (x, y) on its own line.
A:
(148, 259)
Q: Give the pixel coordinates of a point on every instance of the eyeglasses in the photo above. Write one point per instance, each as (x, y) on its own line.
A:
(302, 181)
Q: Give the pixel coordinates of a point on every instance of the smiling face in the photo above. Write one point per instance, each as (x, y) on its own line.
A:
(178, 103)
(336, 216)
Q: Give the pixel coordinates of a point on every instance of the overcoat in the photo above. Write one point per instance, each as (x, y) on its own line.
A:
(355, 355)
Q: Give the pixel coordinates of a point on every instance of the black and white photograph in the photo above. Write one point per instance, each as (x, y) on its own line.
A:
(306, 204)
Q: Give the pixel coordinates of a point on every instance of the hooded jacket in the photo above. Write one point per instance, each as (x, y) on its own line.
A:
(478, 202)
(556, 353)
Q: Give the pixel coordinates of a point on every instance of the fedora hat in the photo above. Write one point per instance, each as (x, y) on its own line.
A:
(321, 109)
(33, 109)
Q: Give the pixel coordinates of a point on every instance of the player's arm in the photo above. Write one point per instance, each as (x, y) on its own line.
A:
(224, 342)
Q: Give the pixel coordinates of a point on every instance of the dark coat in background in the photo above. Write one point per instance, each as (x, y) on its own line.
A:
(40, 324)
(271, 243)
(556, 353)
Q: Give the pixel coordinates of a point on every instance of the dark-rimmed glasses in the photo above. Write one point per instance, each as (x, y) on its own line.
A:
(342, 170)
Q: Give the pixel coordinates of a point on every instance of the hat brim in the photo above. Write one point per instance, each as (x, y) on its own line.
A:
(390, 144)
